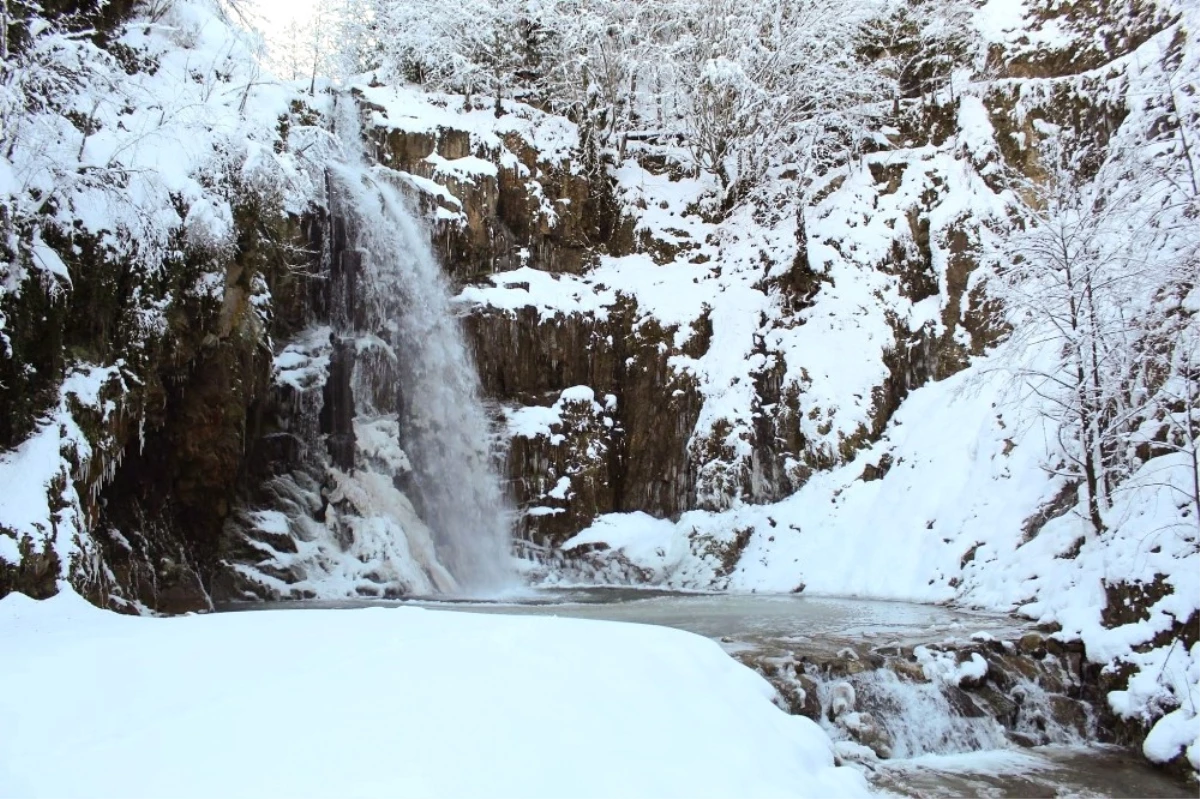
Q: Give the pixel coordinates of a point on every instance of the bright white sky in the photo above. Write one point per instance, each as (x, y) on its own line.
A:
(274, 14)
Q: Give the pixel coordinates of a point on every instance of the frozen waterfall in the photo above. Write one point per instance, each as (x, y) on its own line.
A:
(389, 488)
(443, 427)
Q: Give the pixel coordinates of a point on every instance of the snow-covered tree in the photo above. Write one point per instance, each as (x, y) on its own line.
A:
(1065, 289)
(310, 47)
(467, 46)
(918, 44)
(743, 86)
(771, 83)
(594, 54)
(1103, 283)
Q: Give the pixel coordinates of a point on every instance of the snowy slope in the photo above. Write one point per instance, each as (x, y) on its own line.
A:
(395, 702)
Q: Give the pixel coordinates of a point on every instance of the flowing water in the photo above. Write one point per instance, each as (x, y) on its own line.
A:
(443, 427)
(936, 749)
(393, 490)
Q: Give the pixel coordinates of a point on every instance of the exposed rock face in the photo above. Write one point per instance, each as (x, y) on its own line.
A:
(168, 428)
(661, 457)
(631, 453)
(513, 205)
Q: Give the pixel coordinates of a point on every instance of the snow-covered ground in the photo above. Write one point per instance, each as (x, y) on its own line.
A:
(387, 702)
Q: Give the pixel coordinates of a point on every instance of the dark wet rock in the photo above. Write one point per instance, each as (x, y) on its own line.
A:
(37, 573)
(907, 669)
(998, 704)
(810, 703)
(962, 703)
(864, 729)
(1072, 714)
(797, 692)
(1022, 740)
(503, 224)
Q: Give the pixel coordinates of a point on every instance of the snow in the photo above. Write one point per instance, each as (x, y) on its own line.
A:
(466, 168)
(1167, 676)
(903, 537)
(26, 475)
(41, 505)
(549, 293)
(304, 362)
(150, 134)
(86, 381)
(209, 225)
(9, 549)
(48, 260)
(561, 489)
(531, 421)
(639, 536)
(395, 702)
(996, 18)
(578, 394)
(944, 667)
(408, 108)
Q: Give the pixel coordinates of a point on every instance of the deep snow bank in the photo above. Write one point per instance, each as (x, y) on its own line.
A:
(387, 702)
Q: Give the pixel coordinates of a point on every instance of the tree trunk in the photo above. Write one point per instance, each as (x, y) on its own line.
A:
(1087, 413)
(1099, 412)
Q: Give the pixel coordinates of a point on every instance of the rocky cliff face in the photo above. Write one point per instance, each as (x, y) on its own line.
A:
(645, 352)
(612, 282)
(154, 251)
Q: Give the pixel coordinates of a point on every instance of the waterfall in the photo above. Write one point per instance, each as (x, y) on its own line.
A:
(443, 426)
(404, 497)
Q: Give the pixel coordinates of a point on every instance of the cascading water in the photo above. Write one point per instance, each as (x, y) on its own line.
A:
(443, 426)
(397, 494)
(916, 718)
(948, 700)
